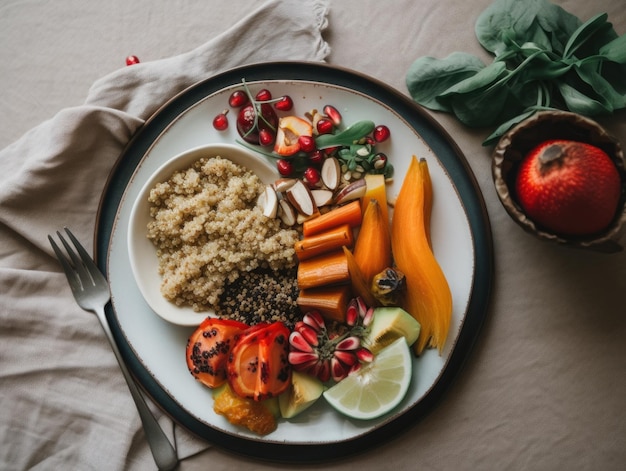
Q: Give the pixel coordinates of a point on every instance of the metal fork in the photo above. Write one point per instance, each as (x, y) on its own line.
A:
(91, 291)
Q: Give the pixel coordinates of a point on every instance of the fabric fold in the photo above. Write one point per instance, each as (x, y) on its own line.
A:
(64, 403)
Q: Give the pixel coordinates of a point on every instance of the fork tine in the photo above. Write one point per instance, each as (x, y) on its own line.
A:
(77, 264)
(70, 273)
(94, 271)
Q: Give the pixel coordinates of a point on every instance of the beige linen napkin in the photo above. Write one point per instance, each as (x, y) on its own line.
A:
(64, 403)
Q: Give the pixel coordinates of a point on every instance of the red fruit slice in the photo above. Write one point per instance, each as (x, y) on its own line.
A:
(569, 187)
(208, 348)
(290, 128)
(258, 366)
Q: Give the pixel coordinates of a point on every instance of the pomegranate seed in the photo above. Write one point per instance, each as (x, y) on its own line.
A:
(220, 122)
(315, 320)
(333, 114)
(131, 60)
(317, 157)
(338, 370)
(347, 358)
(284, 167)
(381, 133)
(323, 371)
(312, 175)
(349, 343)
(365, 355)
(266, 137)
(284, 104)
(263, 95)
(307, 143)
(309, 334)
(324, 126)
(237, 99)
(352, 314)
(297, 341)
(298, 358)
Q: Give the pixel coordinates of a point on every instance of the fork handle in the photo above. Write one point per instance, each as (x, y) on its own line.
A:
(163, 452)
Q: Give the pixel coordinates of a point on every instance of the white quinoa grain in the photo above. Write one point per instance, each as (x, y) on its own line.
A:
(208, 230)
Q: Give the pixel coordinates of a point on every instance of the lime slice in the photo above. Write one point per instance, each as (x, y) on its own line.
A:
(377, 387)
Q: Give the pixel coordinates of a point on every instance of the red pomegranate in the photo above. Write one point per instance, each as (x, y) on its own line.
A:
(568, 187)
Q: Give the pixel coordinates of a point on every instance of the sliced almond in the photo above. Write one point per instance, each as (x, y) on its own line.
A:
(331, 173)
(300, 197)
(286, 213)
(322, 197)
(268, 202)
(283, 184)
(352, 191)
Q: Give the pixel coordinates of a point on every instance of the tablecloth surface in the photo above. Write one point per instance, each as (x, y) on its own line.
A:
(544, 386)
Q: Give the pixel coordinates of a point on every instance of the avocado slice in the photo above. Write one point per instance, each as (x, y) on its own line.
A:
(389, 324)
(303, 392)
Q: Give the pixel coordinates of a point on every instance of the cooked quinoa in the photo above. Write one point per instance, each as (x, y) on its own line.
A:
(208, 231)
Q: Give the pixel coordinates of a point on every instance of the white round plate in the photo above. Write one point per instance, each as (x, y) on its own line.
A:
(155, 349)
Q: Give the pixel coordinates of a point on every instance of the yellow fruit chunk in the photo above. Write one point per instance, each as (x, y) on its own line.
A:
(256, 416)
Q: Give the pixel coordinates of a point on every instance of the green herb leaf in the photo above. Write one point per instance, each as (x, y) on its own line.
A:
(615, 51)
(346, 137)
(584, 33)
(428, 77)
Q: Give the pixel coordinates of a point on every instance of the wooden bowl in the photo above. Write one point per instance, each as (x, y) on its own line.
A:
(542, 126)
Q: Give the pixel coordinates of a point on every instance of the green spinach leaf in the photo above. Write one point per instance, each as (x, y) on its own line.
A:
(428, 77)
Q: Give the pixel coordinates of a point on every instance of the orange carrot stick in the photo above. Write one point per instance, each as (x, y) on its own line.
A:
(327, 269)
(347, 214)
(330, 301)
(324, 242)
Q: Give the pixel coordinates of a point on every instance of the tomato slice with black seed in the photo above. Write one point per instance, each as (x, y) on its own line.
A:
(258, 367)
(208, 349)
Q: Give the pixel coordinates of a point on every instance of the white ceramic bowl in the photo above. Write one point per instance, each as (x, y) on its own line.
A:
(142, 252)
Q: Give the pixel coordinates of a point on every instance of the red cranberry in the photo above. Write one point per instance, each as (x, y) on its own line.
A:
(131, 60)
(220, 122)
(237, 99)
(284, 104)
(266, 137)
(317, 157)
(381, 133)
(285, 167)
(307, 143)
(312, 175)
(324, 126)
(263, 95)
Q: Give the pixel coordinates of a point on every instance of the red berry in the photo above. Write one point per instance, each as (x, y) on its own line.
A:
(333, 114)
(131, 60)
(381, 133)
(284, 104)
(324, 126)
(266, 137)
(307, 143)
(312, 175)
(285, 167)
(220, 122)
(237, 99)
(263, 95)
(317, 157)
